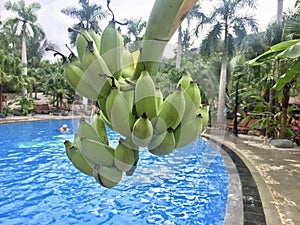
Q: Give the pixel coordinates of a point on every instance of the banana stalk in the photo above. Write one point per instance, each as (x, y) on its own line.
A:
(165, 18)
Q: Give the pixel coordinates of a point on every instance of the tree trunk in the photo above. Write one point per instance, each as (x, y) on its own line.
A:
(24, 61)
(272, 92)
(60, 102)
(279, 10)
(24, 54)
(285, 105)
(30, 90)
(1, 94)
(179, 47)
(222, 88)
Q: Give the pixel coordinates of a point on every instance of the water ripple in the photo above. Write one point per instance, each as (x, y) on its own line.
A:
(39, 185)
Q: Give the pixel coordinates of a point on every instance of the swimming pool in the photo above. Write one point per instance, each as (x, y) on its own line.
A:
(39, 185)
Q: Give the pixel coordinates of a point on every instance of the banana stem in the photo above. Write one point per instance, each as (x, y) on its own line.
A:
(113, 15)
(129, 82)
(72, 53)
(113, 83)
(89, 43)
(57, 53)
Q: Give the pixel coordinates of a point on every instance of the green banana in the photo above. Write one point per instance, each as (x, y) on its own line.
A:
(81, 42)
(100, 127)
(185, 80)
(105, 120)
(159, 97)
(84, 35)
(97, 152)
(74, 75)
(95, 69)
(171, 112)
(108, 176)
(77, 159)
(86, 129)
(127, 68)
(204, 111)
(112, 45)
(163, 144)
(96, 38)
(194, 92)
(145, 96)
(124, 156)
(118, 112)
(188, 131)
(142, 131)
(102, 105)
(67, 145)
(131, 171)
(96, 73)
(192, 101)
(129, 97)
(76, 79)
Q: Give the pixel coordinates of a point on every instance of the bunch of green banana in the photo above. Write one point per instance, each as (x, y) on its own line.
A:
(130, 102)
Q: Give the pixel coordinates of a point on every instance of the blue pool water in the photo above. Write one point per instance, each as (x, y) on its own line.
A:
(39, 185)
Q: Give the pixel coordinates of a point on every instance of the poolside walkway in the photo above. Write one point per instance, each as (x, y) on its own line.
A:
(276, 172)
(37, 117)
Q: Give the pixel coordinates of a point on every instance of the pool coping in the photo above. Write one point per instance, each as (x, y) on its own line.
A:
(277, 179)
(244, 207)
(234, 204)
(39, 117)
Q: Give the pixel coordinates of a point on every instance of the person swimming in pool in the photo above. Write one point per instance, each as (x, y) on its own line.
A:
(64, 128)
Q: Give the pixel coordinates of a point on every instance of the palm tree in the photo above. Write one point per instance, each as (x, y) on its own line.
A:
(88, 16)
(183, 38)
(8, 71)
(134, 33)
(226, 22)
(26, 19)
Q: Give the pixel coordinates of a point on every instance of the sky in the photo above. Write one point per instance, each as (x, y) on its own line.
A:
(55, 23)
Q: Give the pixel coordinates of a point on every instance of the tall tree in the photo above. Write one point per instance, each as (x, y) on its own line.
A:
(227, 25)
(183, 36)
(25, 19)
(134, 34)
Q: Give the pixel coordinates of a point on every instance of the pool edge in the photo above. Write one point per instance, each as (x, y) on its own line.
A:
(270, 212)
